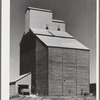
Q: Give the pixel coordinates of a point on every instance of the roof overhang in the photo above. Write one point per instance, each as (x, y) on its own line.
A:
(60, 39)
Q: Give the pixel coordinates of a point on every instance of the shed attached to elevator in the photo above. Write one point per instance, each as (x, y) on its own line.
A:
(21, 84)
(58, 62)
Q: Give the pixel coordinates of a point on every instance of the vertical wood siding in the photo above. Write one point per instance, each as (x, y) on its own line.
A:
(68, 71)
(82, 71)
(55, 71)
(27, 57)
(41, 69)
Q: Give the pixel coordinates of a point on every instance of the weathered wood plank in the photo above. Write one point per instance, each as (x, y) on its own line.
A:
(41, 69)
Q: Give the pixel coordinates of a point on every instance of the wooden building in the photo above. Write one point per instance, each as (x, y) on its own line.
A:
(20, 83)
(58, 62)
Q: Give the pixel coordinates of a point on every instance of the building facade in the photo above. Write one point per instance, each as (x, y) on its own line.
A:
(21, 83)
(58, 62)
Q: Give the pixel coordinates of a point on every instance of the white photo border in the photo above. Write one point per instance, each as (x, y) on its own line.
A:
(5, 49)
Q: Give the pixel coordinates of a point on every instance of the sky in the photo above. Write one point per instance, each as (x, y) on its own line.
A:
(80, 19)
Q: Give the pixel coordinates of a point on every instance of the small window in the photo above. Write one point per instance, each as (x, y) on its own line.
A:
(58, 28)
(47, 27)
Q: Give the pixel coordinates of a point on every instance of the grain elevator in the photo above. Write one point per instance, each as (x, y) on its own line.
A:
(58, 62)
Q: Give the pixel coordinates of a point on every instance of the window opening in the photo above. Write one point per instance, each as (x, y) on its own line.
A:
(58, 28)
(47, 27)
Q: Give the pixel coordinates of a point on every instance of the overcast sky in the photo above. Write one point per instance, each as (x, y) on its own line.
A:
(79, 15)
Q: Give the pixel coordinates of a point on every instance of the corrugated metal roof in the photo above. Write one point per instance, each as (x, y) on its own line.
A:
(61, 42)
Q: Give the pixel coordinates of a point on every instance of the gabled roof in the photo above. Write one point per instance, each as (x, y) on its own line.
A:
(19, 78)
(51, 33)
(59, 21)
(61, 42)
(58, 39)
(38, 9)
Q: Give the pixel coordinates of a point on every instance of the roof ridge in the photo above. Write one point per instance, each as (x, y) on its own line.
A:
(39, 9)
(21, 77)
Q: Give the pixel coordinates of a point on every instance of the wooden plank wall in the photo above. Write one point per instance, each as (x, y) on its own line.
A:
(68, 71)
(27, 57)
(41, 69)
(55, 71)
(82, 71)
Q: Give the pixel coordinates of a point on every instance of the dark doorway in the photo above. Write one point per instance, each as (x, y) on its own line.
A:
(93, 88)
(20, 87)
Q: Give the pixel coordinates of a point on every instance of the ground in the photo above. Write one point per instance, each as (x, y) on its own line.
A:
(34, 97)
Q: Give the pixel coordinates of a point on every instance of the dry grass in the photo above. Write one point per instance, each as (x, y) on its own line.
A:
(17, 97)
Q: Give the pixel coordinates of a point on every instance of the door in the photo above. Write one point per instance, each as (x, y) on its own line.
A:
(20, 87)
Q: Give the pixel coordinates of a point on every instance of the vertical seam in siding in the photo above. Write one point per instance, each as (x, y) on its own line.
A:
(76, 72)
(47, 72)
(20, 60)
(34, 67)
(89, 69)
(62, 72)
